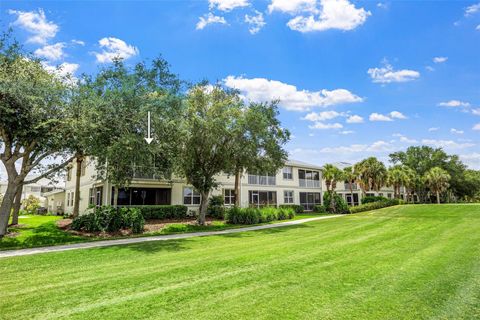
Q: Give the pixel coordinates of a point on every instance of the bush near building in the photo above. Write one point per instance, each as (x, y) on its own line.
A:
(110, 219)
(375, 205)
(164, 212)
(238, 215)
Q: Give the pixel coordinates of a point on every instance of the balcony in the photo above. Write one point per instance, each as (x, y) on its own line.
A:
(354, 186)
(306, 183)
(145, 173)
(262, 180)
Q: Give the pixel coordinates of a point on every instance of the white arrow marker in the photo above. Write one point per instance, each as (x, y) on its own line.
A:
(149, 139)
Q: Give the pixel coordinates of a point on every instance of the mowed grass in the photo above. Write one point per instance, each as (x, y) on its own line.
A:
(404, 262)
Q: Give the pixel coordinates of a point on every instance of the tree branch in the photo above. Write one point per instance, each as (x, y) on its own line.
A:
(52, 170)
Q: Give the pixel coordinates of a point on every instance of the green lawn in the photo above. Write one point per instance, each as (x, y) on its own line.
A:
(404, 262)
(41, 231)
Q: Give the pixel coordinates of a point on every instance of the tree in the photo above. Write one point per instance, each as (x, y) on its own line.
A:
(350, 176)
(31, 204)
(437, 181)
(259, 141)
(371, 174)
(396, 178)
(32, 121)
(332, 174)
(409, 182)
(122, 98)
(208, 139)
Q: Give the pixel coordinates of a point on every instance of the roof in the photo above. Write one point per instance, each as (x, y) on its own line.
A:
(51, 193)
(297, 163)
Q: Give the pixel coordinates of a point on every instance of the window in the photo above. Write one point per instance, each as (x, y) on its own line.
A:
(288, 196)
(68, 199)
(91, 196)
(190, 196)
(309, 199)
(309, 178)
(262, 198)
(389, 195)
(83, 167)
(352, 199)
(229, 196)
(98, 196)
(288, 173)
(369, 194)
(69, 174)
(264, 180)
(35, 189)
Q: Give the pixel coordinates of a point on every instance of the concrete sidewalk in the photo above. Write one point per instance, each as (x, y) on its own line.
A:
(106, 243)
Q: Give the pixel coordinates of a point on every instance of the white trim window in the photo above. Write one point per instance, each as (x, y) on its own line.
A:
(309, 178)
(263, 180)
(191, 197)
(229, 197)
(287, 173)
(288, 196)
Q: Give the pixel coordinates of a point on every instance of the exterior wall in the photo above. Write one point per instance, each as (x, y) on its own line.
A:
(35, 189)
(55, 202)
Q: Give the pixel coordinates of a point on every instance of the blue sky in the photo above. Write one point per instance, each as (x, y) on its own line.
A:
(355, 78)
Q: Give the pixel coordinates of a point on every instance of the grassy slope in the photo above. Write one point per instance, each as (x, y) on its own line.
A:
(408, 262)
(41, 231)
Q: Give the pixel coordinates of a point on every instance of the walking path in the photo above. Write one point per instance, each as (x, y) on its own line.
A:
(106, 243)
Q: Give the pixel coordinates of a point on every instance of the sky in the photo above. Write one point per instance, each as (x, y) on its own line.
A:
(354, 78)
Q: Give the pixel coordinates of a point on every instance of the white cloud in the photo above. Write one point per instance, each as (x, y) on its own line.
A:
(450, 144)
(354, 119)
(474, 8)
(209, 18)
(292, 6)
(322, 116)
(472, 160)
(79, 42)
(440, 59)
(256, 22)
(332, 14)
(261, 89)
(382, 5)
(387, 74)
(114, 48)
(378, 146)
(430, 68)
(433, 129)
(379, 117)
(476, 127)
(405, 139)
(51, 52)
(227, 5)
(456, 131)
(476, 112)
(397, 115)
(478, 27)
(454, 104)
(326, 126)
(35, 23)
(345, 132)
(65, 71)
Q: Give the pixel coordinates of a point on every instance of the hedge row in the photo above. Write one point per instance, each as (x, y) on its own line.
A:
(163, 212)
(238, 215)
(375, 205)
(296, 207)
(110, 219)
(370, 199)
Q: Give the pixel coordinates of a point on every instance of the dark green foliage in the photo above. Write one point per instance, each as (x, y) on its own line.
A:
(238, 215)
(215, 208)
(110, 219)
(339, 206)
(375, 205)
(298, 208)
(370, 199)
(319, 209)
(164, 212)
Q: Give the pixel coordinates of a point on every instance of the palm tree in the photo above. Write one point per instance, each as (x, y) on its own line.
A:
(396, 178)
(351, 177)
(410, 181)
(371, 174)
(437, 181)
(331, 174)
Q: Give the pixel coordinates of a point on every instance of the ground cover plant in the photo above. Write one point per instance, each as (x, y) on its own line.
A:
(402, 262)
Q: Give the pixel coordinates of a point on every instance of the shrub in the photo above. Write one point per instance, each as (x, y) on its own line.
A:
(215, 208)
(238, 215)
(340, 206)
(370, 199)
(110, 219)
(375, 205)
(319, 209)
(163, 212)
(31, 204)
(298, 208)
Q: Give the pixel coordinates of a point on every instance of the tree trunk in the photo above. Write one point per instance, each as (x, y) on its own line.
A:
(237, 188)
(332, 202)
(203, 207)
(17, 204)
(438, 197)
(76, 202)
(351, 196)
(6, 208)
